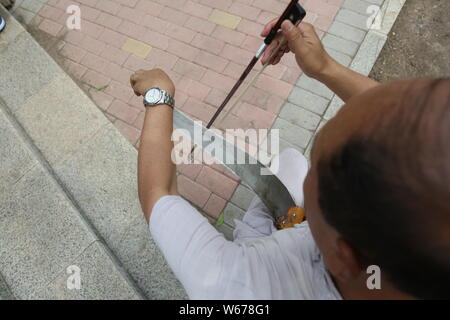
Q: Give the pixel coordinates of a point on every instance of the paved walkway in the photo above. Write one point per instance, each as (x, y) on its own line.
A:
(204, 46)
(69, 207)
(54, 136)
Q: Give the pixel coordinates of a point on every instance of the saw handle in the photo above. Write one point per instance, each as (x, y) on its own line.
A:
(294, 12)
(295, 216)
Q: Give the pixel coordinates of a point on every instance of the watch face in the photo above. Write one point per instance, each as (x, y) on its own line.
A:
(153, 96)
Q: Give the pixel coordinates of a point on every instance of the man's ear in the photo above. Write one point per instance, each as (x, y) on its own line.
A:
(345, 265)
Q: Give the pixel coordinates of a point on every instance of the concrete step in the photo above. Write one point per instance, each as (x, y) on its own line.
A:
(68, 189)
(5, 292)
(43, 233)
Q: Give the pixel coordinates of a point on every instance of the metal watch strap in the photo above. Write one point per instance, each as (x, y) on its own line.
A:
(169, 100)
(166, 99)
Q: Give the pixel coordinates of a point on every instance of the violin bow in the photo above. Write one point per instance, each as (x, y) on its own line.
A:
(282, 43)
(293, 12)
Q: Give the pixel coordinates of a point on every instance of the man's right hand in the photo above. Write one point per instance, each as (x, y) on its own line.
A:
(304, 42)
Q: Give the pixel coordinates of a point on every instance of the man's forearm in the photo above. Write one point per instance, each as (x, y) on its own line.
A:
(156, 171)
(345, 82)
(315, 62)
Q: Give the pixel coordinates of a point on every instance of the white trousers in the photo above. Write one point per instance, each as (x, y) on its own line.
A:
(258, 222)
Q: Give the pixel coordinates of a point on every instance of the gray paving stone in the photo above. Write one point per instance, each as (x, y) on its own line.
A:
(339, 44)
(27, 272)
(390, 11)
(287, 145)
(41, 231)
(232, 212)
(5, 293)
(227, 231)
(379, 2)
(100, 279)
(101, 176)
(358, 6)
(17, 5)
(315, 86)
(352, 18)
(12, 30)
(334, 107)
(32, 5)
(60, 119)
(23, 16)
(307, 152)
(224, 228)
(300, 117)
(282, 145)
(346, 31)
(293, 134)
(340, 57)
(321, 125)
(15, 157)
(243, 197)
(369, 53)
(308, 100)
(267, 145)
(146, 264)
(32, 72)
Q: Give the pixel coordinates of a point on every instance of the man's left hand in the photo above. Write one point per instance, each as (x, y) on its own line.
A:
(143, 80)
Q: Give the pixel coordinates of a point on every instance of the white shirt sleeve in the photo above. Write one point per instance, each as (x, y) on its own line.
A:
(284, 265)
(197, 253)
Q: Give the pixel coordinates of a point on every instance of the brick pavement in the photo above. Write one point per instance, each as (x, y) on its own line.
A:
(203, 45)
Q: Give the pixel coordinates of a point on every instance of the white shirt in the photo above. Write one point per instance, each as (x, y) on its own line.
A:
(259, 265)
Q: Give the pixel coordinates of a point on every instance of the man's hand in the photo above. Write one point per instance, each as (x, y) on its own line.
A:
(304, 42)
(315, 62)
(143, 80)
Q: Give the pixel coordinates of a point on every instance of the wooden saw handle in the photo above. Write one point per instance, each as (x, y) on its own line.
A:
(295, 216)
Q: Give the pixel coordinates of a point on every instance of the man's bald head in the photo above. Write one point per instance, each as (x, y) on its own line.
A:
(383, 170)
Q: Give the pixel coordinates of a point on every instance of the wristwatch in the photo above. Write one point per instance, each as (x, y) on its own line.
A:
(157, 96)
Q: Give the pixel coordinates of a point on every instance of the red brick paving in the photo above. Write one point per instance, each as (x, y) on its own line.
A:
(204, 60)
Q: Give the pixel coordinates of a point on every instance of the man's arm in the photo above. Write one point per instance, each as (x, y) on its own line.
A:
(156, 171)
(317, 63)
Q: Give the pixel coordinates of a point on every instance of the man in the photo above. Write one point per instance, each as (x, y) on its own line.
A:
(377, 194)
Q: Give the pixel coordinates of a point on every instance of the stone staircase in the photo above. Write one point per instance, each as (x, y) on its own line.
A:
(68, 190)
